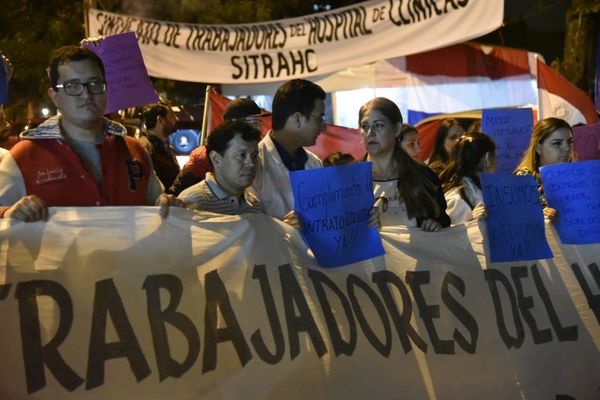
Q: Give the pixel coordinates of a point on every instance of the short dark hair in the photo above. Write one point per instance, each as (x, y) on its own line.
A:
(66, 54)
(151, 112)
(338, 158)
(220, 137)
(297, 95)
(240, 108)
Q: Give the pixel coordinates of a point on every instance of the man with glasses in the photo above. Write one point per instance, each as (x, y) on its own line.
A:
(78, 158)
(298, 112)
(198, 165)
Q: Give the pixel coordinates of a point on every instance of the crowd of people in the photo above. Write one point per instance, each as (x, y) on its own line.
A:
(82, 158)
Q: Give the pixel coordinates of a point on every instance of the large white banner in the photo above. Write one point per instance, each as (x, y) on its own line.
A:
(301, 47)
(113, 303)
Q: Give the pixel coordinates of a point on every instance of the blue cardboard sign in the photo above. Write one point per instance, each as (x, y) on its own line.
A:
(511, 130)
(573, 189)
(334, 205)
(515, 222)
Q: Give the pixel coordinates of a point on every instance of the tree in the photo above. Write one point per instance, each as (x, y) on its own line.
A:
(29, 31)
(577, 64)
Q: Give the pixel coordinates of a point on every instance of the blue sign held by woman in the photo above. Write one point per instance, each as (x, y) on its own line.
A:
(334, 204)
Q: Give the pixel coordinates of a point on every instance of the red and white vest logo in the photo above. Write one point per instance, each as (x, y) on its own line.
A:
(50, 175)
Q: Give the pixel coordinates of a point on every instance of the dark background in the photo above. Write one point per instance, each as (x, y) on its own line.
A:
(30, 30)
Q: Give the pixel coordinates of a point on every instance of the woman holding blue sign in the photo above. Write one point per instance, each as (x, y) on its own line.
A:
(409, 193)
(551, 143)
(474, 153)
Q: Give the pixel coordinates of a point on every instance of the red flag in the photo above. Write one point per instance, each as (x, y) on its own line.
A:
(338, 138)
(561, 99)
(216, 107)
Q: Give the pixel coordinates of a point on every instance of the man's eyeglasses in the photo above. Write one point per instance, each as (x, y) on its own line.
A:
(75, 88)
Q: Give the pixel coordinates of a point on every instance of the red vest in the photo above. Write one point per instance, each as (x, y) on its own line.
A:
(55, 173)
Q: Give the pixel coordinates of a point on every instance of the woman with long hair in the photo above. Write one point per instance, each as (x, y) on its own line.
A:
(551, 143)
(411, 191)
(449, 131)
(474, 153)
(409, 140)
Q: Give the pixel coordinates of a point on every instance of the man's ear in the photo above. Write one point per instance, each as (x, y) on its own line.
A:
(52, 93)
(215, 158)
(297, 118)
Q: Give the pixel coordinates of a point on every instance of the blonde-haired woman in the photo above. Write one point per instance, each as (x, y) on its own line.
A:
(551, 143)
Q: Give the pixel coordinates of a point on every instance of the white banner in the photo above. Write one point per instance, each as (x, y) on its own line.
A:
(304, 46)
(102, 303)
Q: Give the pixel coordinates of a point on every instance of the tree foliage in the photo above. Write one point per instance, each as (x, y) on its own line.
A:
(577, 64)
(29, 31)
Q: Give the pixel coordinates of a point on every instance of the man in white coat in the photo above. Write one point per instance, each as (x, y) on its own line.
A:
(298, 111)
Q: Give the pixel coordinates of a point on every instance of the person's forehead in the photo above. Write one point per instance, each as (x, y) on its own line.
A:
(81, 69)
(237, 143)
(560, 133)
(374, 115)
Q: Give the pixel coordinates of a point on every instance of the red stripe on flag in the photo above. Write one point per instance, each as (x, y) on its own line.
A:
(467, 60)
(555, 83)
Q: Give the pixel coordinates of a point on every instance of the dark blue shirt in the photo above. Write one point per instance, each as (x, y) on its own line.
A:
(294, 162)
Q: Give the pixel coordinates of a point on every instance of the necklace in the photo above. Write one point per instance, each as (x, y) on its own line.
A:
(390, 176)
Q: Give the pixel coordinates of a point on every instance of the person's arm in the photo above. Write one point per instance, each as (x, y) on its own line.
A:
(549, 212)
(28, 209)
(155, 195)
(14, 201)
(193, 171)
(379, 207)
(184, 180)
(293, 219)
